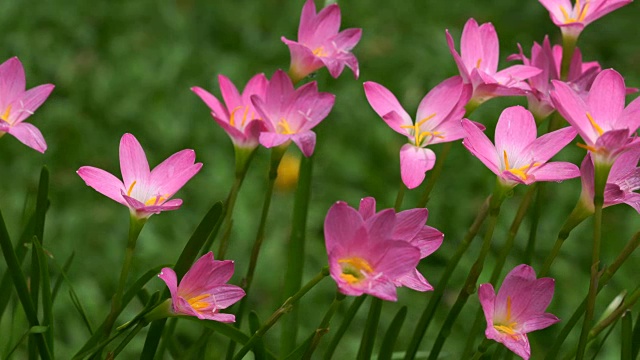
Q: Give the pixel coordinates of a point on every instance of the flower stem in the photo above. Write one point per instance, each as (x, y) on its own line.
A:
(135, 227)
(482, 349)
(397, 205)
(323, 328)
(346, 321)
(370, 330)
(470, 284)
(601, 174)
(285, 308)
(429, 311)
(435, 174)
(568, 48)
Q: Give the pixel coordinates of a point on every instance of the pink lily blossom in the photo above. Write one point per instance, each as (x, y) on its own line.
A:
(203, 291)
(478, 64)
(517, 309)
(518, 156)
(623, 181)
(320, 44)
(144, 192)
(16, 105)
(572, 19)
(290, 113)
(410, 227)
(437, 121)
(602, 120)
(238, 117)
(548, 59)
(364, 256)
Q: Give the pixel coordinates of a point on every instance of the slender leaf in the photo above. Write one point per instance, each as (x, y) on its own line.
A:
(299, 352)
(254, 326)
(47, 302)
(386, 349)
(627, 336)
(80, 309)
(61, 278)
(346, 321)
(635, 340)
(370, 330)
(23, 337)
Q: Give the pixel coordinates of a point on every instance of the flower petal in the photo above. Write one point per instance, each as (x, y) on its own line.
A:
(169, 277)
(103, 182)
(606, 98)
(556, 171)
(226, 295)
(29, 135)
(218, 110)
(12, 81)
(171, 175)
(29, 102)
(341, 225)
(133, 161)
(409, 223)
(539, 322)
(515, 130)
(480, 146)
(548, 145)
(383, 102)
(414, 163)
(306, 141)
(367, 207)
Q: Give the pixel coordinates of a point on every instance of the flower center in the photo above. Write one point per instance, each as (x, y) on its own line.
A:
(284, 127)
(508, 327)
(154, 200)
(319, 51)
(197, 303)
(5, 116)
(420, 135)
(520, 172)
(232, 120)
(354, 269)
(578, 12)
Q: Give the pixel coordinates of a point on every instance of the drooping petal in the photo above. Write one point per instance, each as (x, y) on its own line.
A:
(383, 102)
(133, 161)
(223, 318)
(428, 240)
(487, 297)
(169, 277)
(226, 295)
(29, 135)
(481, 147)
(29, 102)
(414, 280)
(414, 163)
(103, 182)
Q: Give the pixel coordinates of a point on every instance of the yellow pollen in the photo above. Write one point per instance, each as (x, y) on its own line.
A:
(478, 63)
(508, 308)
(5, 116)
(418, 134)
(319, 51)
(595, 125)
(196, 304)
(354, 269)
(131, 187)
(588, 147)
(286, 130)
(520, 172)
(155, 200)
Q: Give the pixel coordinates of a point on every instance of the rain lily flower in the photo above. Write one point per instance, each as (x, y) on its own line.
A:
(410, 227)
(364, 256)
(478, 64)
(144, 192)
(517, 309)
(623, 181)
(572, 19)
(548, 59)
(203, 291)
(237, 117)
(601, 119)
(320, 44)
(290, 114)
(518, 156)
(16, 105)
(437, 121)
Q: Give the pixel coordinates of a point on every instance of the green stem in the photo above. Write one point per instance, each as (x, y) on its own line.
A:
(435, 174)
(323, 328)
(482, 349)
(346, 321)
(128, 338)
(628, 303)
(429, 311)
(285, 308)
(568, 48)
(398, 203)
(535, 220)
(469, 287)
(296, 253)
(601, 174)
(370, 330)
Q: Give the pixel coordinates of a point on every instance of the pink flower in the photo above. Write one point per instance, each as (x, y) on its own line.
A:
(290, 114)
(238, 117)
(437, 121)
(364, 257)
(573, 19)
(548, 59)
(16, 105)
(518, 156)
(623, 181)
(144, 192)
(601, 119)
(203, 291)
(478, 64)
(410, 227)
(320, 44)
(518, 309)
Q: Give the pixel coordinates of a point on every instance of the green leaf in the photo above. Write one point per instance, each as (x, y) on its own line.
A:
(80, 309)
(254, 326)
(346, 321)
(38, 232)
(61, 278)
(47, 302)
(627, 337)
(635, 340)
(23, 337)
(370, 330)
(300, 351)
(386, 349)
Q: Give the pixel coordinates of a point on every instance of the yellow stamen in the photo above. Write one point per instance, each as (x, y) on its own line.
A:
(420, 135)
(595, 125)
(354, 269)
(155, 200)
(244, 116)
(509, 328)
(232, 120)
(583, 11)
(196, 304)
(567, 18)
(587, 147)
(131, 187)
(508, 308)
(478, 63)
(5, 116)
(520, 172)
(319, 51)
(506, 159)
(286, 130)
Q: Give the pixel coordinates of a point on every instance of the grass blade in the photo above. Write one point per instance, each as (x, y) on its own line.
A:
(47, 302)
(627, 337)
(346, 321)
(386, 349)
(254, 326)
(61, 277)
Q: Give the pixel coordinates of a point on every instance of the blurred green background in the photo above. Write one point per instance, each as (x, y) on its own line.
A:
(127, 66)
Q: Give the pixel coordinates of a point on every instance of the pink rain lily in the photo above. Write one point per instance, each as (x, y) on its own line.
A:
(517, 309)
(410, 227)
(290, 114)
(518, 156)
(572, 19)
(144, 192)
(203, 291)
(623, 181)
(437, 121)
(478, 64)
(320, 44)
(364, 256)
(548, 59)
(16, 105)
(602, 120)
(237, 117)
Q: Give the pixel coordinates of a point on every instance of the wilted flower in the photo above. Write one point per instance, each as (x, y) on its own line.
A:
(518, 156)
(573, 19)
(144, 192)
(203, 291)
(437, 121)
(320, 44)
(517, 309)
(16, 105)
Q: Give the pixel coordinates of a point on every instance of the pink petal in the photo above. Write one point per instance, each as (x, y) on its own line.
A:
(133, 161)
(396, 258)
(230, 94)
(548, 145)
(414, 280)
(226, 295)
(490, 48)
(306, 142)
(462, 68)
(171, 175)
(204, 275)
(236, 135)
(306, 27)
(606, 97)
(515, 130)
(383, 102)
(516, 72)
(29, 102)
(613, 141)
(414, 163)
(519, 345)
(381, 225)
(555, 171)
(341, 225)
(257, 85)
(487, 297)
(223, 318)
(326, 24)
(428, 240)
(630, 117)
(633, 200)
(218, 110)
(471, 45)
(12, 81)
(29, 135)
(409, 223)
(103, 182)
(303, 61)
(442, 100)
(169, 277)
(347, 40)
(367, 207)
(270, 139)
(539, 322)
(384, 290)
(480, 146)
(571, 106)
